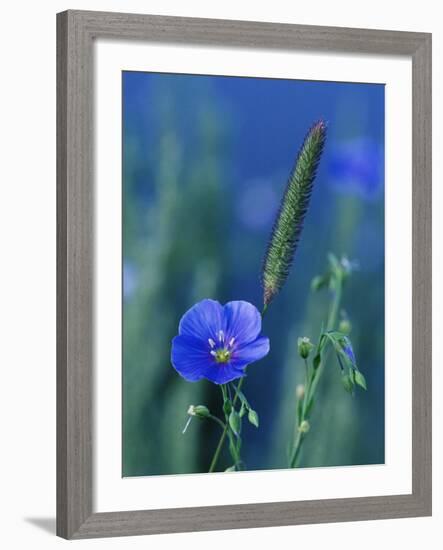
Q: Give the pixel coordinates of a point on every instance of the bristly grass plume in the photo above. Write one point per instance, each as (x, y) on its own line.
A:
(289, 222)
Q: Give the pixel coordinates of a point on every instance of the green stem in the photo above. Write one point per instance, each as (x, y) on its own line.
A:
(333, 312)
(219, 422)
(225, 429)
(218, 449)
(296, 450)
(309, 373)
(314, 377)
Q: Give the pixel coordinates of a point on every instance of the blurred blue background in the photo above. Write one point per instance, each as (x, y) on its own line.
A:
(205, 163)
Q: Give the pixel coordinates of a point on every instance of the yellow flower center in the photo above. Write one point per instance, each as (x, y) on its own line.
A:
(222, 355)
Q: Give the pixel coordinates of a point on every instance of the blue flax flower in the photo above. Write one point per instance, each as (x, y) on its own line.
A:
(218, 342)
(347, 348)
(357, 167)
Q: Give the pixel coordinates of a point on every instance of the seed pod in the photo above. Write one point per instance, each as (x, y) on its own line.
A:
(305, 346)
(198, 410)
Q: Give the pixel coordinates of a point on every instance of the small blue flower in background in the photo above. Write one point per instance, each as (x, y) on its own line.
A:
(130, 279)
(357, 167)
(262, 194)
(218, 342)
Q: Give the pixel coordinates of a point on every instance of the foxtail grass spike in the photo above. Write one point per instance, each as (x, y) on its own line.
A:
(288, 225)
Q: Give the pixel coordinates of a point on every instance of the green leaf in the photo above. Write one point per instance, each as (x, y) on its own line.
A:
(317, 360)
(242, 398)
(253, 418)
(360, 379)
(336, 335)
(235, 421)
(319, 282)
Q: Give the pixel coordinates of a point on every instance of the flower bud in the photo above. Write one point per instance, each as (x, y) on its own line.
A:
(305, 346)
(345, 326)
(198, 410)
(300, 391)
(235, 422)
(318, 282)
(347, 383)
(360, 379)
(304, 427)
(348, 266)
(227, 407)
(253, 417)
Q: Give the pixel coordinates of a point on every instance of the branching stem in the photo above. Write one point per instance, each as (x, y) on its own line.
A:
(312, 378)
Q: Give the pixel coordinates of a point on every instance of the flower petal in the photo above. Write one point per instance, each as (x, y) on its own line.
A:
(222, 373)
(204, 320)
(243, 321)
(347, 348)
(189, 358)
(251, 352)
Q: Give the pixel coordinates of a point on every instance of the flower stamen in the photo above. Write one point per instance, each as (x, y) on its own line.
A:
(222, 355)
(221, 336)
(211, 342)
(231, 342)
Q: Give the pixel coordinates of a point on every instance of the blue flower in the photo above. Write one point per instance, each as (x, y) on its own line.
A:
(357, 167)
(347, 348)
(218, 342)
(130, 279)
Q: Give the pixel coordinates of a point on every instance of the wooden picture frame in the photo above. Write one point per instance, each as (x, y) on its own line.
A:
(76, 32)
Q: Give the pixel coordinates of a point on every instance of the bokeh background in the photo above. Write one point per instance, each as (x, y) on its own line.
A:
(205, 163)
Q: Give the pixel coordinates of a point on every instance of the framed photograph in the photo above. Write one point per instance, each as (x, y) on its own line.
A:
(244, 274)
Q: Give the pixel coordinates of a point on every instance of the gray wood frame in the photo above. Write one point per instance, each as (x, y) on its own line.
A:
(76, 31)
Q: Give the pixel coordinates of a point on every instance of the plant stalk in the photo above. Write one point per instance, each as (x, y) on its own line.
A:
(224, 434)
(314, 377)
